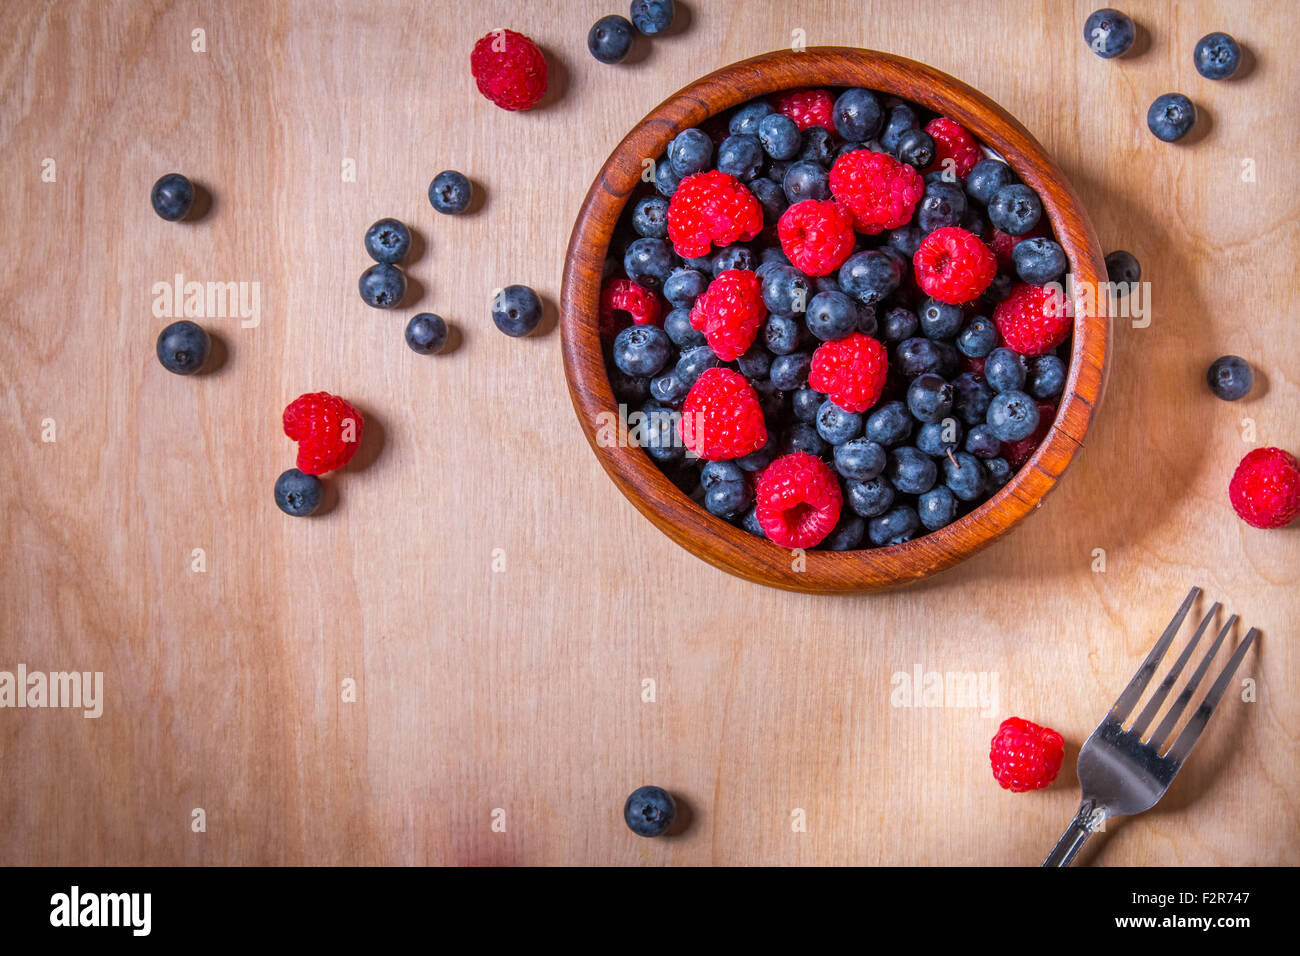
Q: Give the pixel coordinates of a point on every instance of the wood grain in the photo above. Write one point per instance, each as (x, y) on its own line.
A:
(521, 689)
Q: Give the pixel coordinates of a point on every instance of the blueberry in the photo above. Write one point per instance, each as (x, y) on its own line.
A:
(936, 508)
(910, 470)
(857, 115)
(869, 498)
(790, 371)
(662, 440)
(901, 119)
(860, 459)
(756, 362)
(785, 290)
(690, 152)
(516, 310)
(999, 288)
(964, 475)
(870, 276)
(898, 324)
(942, 205)
(939, 320)
(683, 286)
(1230, 377)
(610, 38)
(172, 197)
(726, 498)
(1108, 33)
(678, 326)
(183, 347)
(668, 389)
(750, 523)
(382, 286)
(936, 439)
(781, 334)
(298, 494)
(450, 192)
(652, 16)
(772, 255)
(978, 338)
(629, 389)
(986, 178)
(906, 239)
(1012, 415)
(642, 350)
(971, 397)
(667, 179)
(918, 356)
(426, 333)
(847, 533)
(804, 437)
(818, 147)
(758, 460)
(805, 180)
(1046, 377)
(889, 424)
(1171, 117)
(388, 241)
(915, 148)
(998, 472)
(648, 262)
(649, 811)
(779, 136)
(1039, 261)
(693, 362)
(1217, 56)
(929, 398)
(741, 156)
(974, 222)
(650, 217)
(896, 526)
(748, 119)
(831, 316)
(867, 323)
(771, 197)
(1015, 209)
(1005, 370)
(1122, 270)
(837, 425)
(982, 443)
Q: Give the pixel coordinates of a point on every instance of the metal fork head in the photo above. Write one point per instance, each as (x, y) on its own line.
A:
(1119, 770)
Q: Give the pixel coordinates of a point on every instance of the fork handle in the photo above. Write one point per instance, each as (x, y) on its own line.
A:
(1076, 834)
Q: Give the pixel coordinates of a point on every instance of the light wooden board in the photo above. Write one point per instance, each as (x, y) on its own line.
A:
(521, 689)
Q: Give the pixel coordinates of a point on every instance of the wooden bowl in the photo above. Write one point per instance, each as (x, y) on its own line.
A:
(651, 491)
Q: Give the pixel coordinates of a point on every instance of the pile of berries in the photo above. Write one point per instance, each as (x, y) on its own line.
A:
(842, 321)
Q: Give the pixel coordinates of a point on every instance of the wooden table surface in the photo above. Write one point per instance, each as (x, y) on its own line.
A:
(497, 605)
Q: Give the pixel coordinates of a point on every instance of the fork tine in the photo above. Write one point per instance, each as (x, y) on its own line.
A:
(1158, 698)
(1166, 727)
(1140, 680)
(1191, 733)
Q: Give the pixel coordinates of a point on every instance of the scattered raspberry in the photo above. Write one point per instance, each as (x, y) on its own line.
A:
(708, 209)
(1265, 488)
(879, 191)
(953, 265)
(806, 108)
(1017, 452)
(952, 141)
(327, 430)
(850, 371)
(623, 303)
(1033, 319)
(816, 235)
(798, 500)
(721, 417)
(1025, 756)
(729, 313)
(509, 69)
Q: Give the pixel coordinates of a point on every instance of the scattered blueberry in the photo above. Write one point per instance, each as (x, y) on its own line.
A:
(770, 196)
(756, 363)
(382, 286)
(652, 16)
(516, 310)
(451, 192)
(998, 471)
(692, 363)
(1122, 270)
(1108, 33)
(610, 38)
(1217, 56)
(183, 347)
(1171, 117)
(662, 441)
(732, 257)
(669, 389)
(426, 333)
(388, 241)
(667, 179)
(172, 197)
(298, 494)
(649, 811)
(1230, 377)
(649, 262)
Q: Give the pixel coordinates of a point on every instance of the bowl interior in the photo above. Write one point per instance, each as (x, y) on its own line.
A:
(654, 494)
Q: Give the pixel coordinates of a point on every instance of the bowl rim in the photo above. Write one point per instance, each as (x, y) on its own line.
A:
(652, 492)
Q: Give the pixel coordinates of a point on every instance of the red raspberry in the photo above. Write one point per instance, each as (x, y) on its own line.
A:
(850, 371)
(953, 265)
(623, 299)
(1033, 319)
(1017, 452)
(806, 108)
(721, 417)
(711, 208)
(879, 191)
(1025, 756)
(509, 69)
(953, 141)
(817, 235)
(327, 430)
(1265, 488)
(729, 313)
(798, 500)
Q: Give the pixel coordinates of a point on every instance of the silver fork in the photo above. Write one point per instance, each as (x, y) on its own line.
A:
(1119, 772)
